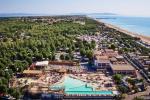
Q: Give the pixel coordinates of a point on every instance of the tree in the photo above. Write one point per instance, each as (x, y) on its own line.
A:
(89, 54)
(70, 50)
(67, 57)
(38, 57)
(3, 89)
(29, 60)
(10, 90)
(19, 66)
(4, 80)
(1, 82)
(53, 56)
(2, 66)
(7, 75)
(117, 78)
(120, 96)
(131, 81)
(2, 73)
(82, 52)
(93, 44)
(123, 89)
(125, 49)
(62, 57)
(16, 93)
(112, 47)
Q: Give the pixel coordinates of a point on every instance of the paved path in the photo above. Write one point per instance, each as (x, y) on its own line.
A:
(146, 78)
(131, 97)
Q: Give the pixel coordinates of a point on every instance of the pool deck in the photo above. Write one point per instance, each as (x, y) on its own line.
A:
(95, 92)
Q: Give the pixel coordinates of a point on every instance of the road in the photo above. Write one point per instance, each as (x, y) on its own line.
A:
(131, 97)
(136, 67)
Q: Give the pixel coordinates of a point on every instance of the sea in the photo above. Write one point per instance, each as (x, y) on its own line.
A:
(139, 25)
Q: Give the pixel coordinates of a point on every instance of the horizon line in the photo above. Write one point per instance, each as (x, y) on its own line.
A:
(15, 14)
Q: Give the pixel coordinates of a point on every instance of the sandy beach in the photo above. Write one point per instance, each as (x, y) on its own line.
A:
(145, 39)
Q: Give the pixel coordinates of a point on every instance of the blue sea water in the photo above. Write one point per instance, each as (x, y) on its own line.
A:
(140, 25)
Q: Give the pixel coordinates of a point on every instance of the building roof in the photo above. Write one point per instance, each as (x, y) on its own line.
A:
(143, 57)
(102, 57)
(103, 61)
(64, 62)
(97, 52)
(147, 62)
(122, 67)
(42, 63)
(32, 72)
(132, 54)
(109, 50)
(119, 57)
(113, 59)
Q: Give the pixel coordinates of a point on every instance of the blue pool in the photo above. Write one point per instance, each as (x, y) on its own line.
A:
(74, 86)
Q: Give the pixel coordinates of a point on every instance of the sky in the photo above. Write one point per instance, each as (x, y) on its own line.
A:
(122, 7)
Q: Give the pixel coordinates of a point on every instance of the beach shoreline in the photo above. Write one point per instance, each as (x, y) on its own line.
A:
(144, 39)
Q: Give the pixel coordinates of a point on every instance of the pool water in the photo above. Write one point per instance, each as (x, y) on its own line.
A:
(74, 86)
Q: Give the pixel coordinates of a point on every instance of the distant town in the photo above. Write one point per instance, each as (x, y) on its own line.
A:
(71, 57)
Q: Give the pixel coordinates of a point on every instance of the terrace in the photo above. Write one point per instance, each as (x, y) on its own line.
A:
(85, 84)
(102, 82)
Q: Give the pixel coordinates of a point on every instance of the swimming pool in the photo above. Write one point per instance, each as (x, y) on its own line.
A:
(74, 86)
(90, 92)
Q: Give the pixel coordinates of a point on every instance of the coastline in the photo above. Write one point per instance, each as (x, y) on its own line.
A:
(144, 39)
